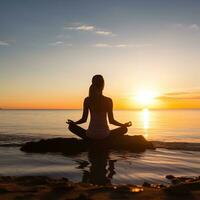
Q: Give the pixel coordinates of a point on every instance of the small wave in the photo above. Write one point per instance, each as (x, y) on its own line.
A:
(15, 140)
(177, 145)
(11, 145)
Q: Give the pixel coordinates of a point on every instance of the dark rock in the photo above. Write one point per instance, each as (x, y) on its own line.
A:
(170, 177)
(184, 188)
(62, 145)
(83, 197)
(162, 186)
(32, 180)
(127, 189)
(3, 190)
(65, 179)
(176, 181)
(74, 146)
(146, 184)
(123, 188)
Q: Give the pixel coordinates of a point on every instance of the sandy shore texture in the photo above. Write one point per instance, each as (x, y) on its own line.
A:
(40, 187)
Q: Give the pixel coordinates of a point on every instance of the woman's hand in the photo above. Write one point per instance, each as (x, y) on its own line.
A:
(128, 124)
(69, 121)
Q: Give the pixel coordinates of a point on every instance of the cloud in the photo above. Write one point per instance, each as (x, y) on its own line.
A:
(106, 33)
(102, 45)
(182, 95)
(59, 43)
(89, 28)
(122, 45)
(4, 43)
(85, 28)
(192, 27)
(105, 45)
(80, 27)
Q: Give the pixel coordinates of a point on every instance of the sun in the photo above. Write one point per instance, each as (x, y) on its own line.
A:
(145, 97)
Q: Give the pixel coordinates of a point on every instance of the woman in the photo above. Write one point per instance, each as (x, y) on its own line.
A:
(100, 107)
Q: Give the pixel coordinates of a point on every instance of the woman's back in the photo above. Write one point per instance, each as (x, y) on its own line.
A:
(98, 126)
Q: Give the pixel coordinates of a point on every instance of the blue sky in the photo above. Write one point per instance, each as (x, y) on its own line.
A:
(32, 24)
(50, 49)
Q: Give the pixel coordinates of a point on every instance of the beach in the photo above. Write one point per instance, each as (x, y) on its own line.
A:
(38, 187)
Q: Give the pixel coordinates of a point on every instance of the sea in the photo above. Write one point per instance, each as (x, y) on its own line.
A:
(175, 134)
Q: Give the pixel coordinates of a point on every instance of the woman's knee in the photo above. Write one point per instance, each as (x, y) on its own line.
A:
(76, 129)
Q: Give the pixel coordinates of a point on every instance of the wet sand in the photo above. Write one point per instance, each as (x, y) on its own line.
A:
(41, 187)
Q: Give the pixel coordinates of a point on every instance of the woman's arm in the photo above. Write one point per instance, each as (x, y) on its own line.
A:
(85, 113)
(110, 115)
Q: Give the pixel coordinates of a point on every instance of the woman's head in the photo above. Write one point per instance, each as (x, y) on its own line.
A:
(97, 85)
(98, 81)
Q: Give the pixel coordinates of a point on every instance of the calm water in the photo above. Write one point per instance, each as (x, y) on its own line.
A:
(18, 126)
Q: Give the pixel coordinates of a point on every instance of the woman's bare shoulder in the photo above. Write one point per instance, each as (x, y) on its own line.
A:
(107, 99)
(86, 100)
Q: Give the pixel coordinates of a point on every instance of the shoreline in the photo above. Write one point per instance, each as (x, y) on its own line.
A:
(43, 187)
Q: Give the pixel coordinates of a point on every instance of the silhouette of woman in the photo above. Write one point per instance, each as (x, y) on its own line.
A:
(100, 107)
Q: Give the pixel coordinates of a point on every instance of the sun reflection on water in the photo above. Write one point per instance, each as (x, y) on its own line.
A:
(145, 120)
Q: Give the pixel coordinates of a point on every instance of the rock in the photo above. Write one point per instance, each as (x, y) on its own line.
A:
(32, 180)
(176, 181)
(128, 188)
(146, 184)
(74, 146)
(62, 145)
(65, 179)
(170, 177)
(3, 190)
(83, 197)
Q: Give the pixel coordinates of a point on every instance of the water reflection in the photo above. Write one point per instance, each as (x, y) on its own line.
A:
(145, 119)
(102, 169)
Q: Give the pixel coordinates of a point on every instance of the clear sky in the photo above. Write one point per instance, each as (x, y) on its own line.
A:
(50, 49)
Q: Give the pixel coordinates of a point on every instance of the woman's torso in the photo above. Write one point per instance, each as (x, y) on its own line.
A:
(98, 126)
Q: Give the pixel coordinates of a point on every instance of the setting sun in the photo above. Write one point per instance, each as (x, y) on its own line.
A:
(145, 97)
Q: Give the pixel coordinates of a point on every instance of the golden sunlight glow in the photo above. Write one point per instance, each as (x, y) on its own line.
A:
(145, 116)
(145, 97)
(145, 119)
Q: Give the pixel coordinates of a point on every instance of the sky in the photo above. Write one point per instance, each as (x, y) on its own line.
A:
(50, 49)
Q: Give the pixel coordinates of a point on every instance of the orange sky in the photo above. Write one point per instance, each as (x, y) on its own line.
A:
(126, 102)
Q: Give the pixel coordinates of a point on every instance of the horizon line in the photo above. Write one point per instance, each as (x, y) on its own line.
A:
(135, 109)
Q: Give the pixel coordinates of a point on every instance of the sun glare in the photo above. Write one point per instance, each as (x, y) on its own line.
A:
(145, 118)
(145, 97)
